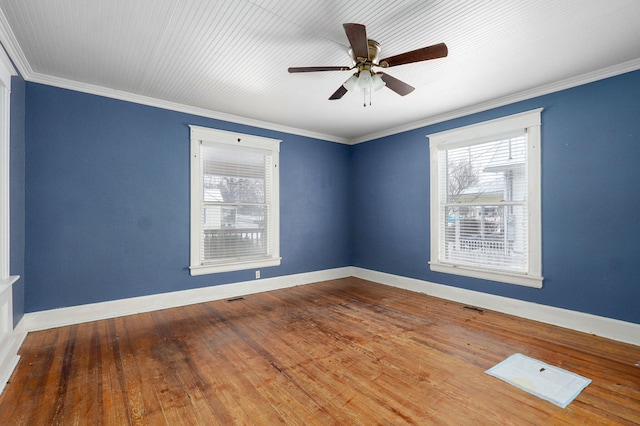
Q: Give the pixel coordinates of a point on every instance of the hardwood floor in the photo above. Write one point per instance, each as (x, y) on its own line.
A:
(333, 353)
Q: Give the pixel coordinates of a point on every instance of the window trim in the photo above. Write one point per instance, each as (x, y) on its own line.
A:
(484, 132)
(199, 134)
(6, 72)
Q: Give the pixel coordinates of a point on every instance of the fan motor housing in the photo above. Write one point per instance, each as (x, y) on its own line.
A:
(374, 52)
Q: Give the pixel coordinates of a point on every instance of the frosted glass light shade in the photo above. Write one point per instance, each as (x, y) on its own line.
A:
(351, 83)
(377, 82)
(364, 81)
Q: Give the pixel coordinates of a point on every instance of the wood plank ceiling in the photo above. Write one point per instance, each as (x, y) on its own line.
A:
(229, 58)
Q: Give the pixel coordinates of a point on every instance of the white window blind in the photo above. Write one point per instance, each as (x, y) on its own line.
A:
(484, 205)
(235, 211)
(236, 200)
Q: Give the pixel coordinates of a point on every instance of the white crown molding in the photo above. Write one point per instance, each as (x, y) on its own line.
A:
(568, 83)
(11, 46)
(173, 106)
(609, 328)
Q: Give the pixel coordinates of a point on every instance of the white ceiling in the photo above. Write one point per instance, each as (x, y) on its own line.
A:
(228, 58)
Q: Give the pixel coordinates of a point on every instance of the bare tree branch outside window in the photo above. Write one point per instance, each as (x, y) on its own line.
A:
(462, 176)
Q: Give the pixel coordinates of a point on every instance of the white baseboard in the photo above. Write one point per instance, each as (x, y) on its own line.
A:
(43, 320)
(10, 337)
(601, 326)
(622, 331)
(9, 353)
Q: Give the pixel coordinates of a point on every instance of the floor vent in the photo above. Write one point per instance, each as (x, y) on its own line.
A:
(473, 308)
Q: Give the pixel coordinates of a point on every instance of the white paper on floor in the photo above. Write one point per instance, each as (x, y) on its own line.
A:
(543, 380)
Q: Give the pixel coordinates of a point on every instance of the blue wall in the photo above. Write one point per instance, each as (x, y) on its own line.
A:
(16, 195)
(590, 201)
(107, 200)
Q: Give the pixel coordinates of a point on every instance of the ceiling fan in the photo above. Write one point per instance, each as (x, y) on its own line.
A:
(364, 54)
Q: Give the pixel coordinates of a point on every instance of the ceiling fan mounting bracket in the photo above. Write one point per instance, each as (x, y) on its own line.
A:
(364, 66)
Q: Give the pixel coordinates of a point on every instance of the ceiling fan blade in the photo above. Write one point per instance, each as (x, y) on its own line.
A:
(400, 87)
(357, 35)
(314, 69)
(432, 52)
(338, 94)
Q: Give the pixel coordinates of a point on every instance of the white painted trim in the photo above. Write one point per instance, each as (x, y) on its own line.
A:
(486, 131)
(532, 281)
(206, 137)
(96, 311)
(11, 45)
(8, 282)
(9, 339)
(5, 181)
(609, 328)
(9, 353)
(196, 270)
(480, 133)
(605, 327)
(6, 71)
(9, 357)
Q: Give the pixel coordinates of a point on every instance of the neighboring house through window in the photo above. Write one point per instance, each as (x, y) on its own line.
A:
(485, 200)
(234, 201)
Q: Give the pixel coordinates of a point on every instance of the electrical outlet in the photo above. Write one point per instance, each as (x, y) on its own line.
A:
(257, 274)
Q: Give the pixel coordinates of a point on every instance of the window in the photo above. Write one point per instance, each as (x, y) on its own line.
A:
(485, 200)
(234, 201)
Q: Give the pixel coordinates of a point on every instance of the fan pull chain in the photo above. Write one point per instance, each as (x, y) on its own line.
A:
(364, 97)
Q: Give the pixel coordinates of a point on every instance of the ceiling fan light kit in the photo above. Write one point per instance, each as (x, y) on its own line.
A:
(364, 53)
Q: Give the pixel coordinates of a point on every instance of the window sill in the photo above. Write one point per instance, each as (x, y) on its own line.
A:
(229, 267)
(503, 277)
(8, 282)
